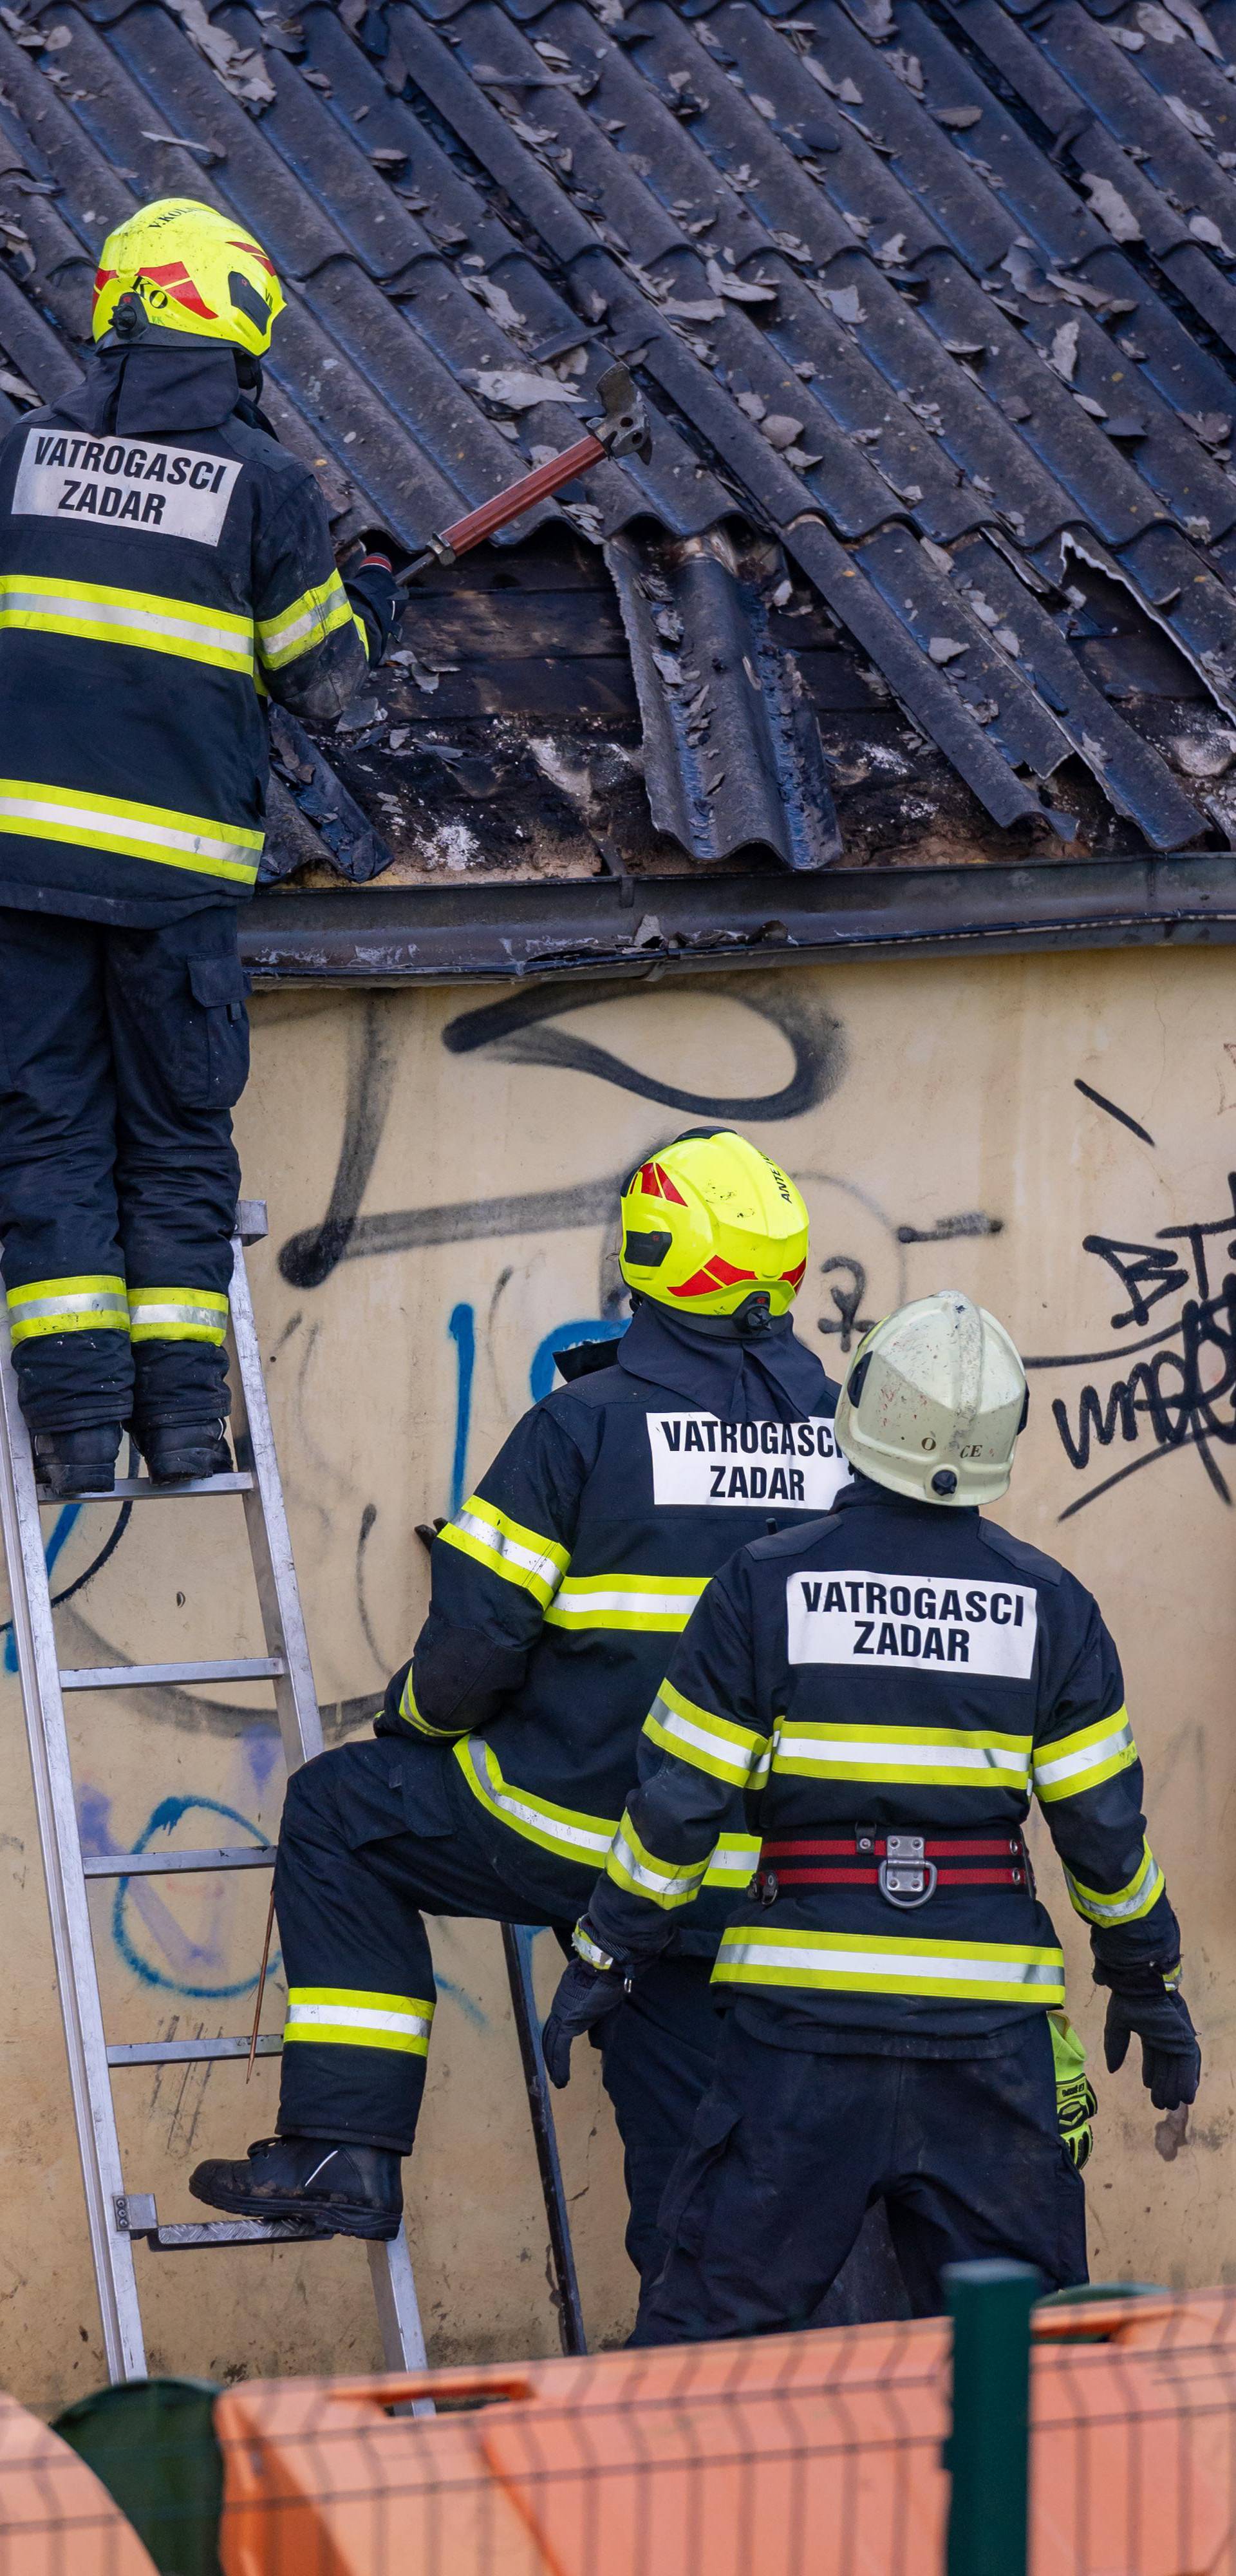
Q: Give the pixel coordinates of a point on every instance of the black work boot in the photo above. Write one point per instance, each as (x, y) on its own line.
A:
(77, 1462)
(346, 2190)
(177, 1452)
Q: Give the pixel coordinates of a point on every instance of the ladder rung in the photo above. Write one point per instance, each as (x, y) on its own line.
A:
(237, 1668)
(137, 2215)
(153, 1864)
(143, 1489)
(188, 2052)
(228, 2231)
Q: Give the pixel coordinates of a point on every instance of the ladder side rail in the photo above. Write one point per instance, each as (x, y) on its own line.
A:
(300, 1723)
(67, 1904)
(571, 2331)
(270, 1544)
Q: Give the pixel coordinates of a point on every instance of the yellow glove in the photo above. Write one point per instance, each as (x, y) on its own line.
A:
(1076, 2100)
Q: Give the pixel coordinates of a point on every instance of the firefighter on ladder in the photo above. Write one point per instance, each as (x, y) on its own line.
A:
(888, 1687)
(495, 1778)
(163, 565)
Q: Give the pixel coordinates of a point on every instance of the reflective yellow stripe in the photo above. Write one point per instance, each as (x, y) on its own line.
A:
(87, 1304)
(101, 615)
(664, 1883)
(303, 626)
(347, 2017)
(939, 1756)
(1084, 1760)
(709, 1743)
(587, 1840)
(733, 1863)
(860, 1963)
(151, 832)
(584, 1839)
(585, 1948)
(177, 1315)
(1119, 1904)
(411, 1716)
(647, 1601)
(521, 1556)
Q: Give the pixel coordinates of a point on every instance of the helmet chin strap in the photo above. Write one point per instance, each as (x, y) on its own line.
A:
(132, 328)
(752, 1321)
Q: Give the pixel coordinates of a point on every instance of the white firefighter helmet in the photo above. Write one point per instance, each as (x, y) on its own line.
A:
(934, 1402)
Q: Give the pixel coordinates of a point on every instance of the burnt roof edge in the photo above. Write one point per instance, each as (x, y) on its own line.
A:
(651, 927)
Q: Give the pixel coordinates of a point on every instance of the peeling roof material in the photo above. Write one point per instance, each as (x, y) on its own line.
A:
(935, 306)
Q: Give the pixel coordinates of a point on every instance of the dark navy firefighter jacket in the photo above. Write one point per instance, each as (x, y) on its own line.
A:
(896, 1666)
(560, 1587)
(164, 566)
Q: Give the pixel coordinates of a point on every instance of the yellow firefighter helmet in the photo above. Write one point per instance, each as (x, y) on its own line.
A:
(712, 1227)
(191, 269)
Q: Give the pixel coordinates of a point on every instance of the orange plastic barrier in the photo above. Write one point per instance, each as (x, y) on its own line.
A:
(55, 2518)
(815, 2455)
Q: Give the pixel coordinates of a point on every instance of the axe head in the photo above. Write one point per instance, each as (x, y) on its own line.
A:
(623, 427)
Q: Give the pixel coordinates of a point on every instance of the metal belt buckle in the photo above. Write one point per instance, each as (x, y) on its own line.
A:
(907, 1877)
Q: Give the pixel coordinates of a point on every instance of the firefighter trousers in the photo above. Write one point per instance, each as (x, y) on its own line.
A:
(790, 2149)
(122, 1053)
(378, 1834)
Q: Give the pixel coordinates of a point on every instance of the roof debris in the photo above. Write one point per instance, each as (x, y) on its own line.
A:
(887, 362)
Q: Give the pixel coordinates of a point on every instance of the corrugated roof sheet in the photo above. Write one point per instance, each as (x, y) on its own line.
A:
(939, 300)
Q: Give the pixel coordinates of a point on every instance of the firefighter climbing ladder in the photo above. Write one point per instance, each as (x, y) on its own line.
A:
(116, 2215)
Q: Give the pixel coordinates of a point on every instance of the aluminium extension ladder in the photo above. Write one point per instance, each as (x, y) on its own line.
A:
(115, 2215)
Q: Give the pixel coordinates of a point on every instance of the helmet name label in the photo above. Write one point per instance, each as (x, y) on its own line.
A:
(698, 1460)
(131, 482)
(926, 1624)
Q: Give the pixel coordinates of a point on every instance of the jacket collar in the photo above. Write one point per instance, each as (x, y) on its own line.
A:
(735, 1380)
(864, 1489)
(151, 392)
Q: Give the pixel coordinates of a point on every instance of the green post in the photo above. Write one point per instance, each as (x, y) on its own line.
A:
(152, 2442)
(988, 2449)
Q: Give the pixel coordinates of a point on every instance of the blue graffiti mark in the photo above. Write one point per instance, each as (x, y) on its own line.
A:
(589, 1328)
(64, 1523)
(263, 1749)
(467, 2003)
(462, 1330)
(187, 1956)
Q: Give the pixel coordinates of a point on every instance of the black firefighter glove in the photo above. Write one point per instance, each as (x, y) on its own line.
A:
(1145, 2004)
(375, 593)
(585, 1997)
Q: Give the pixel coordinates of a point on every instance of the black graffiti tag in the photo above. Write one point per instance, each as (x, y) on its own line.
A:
(1184, 1395)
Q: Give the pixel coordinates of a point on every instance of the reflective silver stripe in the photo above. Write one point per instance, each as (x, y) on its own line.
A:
(733, 1755)
(728, 1863)
(874, 1755)
(588, 1951)
(1104, 1909)
(897, 1960)
(97, 612)
(351, 2017)
(496, 1540)
(214, 1318)
(108, 822)
(521, 1812)
(332, 609)
(659, 1882)
(578, 1597)
(86, 1302)
(1068, 1765)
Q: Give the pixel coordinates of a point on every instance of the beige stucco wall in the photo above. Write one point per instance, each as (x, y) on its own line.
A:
(921, 1100)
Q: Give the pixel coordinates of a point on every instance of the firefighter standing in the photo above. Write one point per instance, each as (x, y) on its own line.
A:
(163, 564)
(889, 1686)
(501, 1757)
